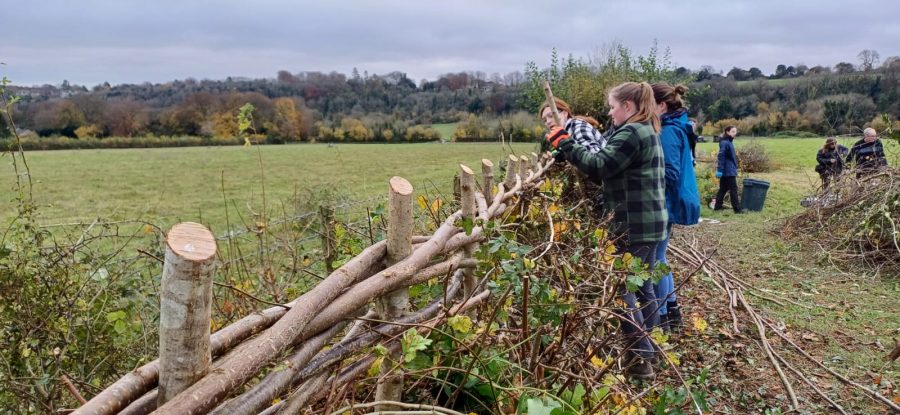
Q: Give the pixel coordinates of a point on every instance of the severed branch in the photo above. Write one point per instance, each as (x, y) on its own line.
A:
(874, 394)
(71, 387)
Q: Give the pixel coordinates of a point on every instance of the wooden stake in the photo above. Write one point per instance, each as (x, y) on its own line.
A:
(487, 177)
(395, 304)
(512, 169)
(524, 163)
(467, 188)
(185, 308)
(326, 213)
(552, 103)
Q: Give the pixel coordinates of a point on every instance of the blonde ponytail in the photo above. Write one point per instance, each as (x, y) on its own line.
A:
(641, 95)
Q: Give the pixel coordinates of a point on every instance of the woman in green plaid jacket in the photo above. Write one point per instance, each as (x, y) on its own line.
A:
(632, 169)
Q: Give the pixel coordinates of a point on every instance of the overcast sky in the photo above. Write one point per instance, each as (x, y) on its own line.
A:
(122, 41)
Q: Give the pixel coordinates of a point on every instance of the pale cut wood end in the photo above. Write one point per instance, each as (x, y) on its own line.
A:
(465, 169)
(486, 162)
(191, 241)
(401, 186)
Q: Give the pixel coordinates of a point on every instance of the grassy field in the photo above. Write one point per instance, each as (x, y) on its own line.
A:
(446, 130)
(167, 185)
(172, 184)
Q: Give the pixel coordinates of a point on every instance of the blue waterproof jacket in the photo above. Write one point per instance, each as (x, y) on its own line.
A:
(682, 196)
(727, 158)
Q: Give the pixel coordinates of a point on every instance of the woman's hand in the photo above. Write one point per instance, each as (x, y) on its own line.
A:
(556, 135)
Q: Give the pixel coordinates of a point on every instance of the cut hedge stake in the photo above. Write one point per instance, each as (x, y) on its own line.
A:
(185, 307)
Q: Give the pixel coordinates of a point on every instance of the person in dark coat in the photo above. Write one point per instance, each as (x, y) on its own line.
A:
(682, 195)
(867, 155)
(831, 161)
(726, 170)
(692, 138)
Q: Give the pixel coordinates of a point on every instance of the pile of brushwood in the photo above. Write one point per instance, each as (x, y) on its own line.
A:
(856, 221)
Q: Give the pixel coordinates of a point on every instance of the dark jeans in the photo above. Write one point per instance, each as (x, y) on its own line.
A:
(640, 320)
(728, 184)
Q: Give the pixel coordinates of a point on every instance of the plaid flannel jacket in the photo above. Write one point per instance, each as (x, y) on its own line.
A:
(632, 168)
(586, 135)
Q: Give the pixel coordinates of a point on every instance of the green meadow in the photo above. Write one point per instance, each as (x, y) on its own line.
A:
(168, 185)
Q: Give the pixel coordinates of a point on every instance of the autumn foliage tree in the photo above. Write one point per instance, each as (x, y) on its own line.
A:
(287, 122)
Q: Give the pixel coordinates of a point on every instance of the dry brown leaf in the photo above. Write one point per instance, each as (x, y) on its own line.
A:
(895, 353)
(811, 337)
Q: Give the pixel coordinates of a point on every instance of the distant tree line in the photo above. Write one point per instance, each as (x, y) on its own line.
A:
(819, 100)
(315, 106)
(289, 108)
(794, 99)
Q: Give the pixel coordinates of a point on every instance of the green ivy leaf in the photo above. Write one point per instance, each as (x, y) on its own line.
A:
(575, 397)
(659, 271)
(599, 395)
(633, 283)
(375, 369)
(120, 326)
(487, 390)
(411, 343)
(460, 324)
(539, 407)
(378, 212)
(467, 224)
(115, 316)
(339, 232)
(380, 350)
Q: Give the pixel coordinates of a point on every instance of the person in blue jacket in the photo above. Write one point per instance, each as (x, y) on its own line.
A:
(726, 170)
(682, 196)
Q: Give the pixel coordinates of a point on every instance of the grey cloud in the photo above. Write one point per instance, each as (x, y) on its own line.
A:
(130, 41)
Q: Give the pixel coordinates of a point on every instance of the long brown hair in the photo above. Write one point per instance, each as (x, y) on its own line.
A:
(564, 106)
(641, 94)
(672, 96)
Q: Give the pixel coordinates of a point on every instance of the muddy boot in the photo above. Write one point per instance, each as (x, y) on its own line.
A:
(673, 318)
(664, 323)
(639, 368)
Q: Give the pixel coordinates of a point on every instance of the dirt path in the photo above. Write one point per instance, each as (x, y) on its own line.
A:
(845, 322)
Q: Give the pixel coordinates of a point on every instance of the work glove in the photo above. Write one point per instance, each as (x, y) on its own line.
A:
(556, 135)
(718, 174)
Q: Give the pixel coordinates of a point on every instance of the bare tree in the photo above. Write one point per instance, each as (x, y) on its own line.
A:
(891, 62)
(513, 79)
(868, 59)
